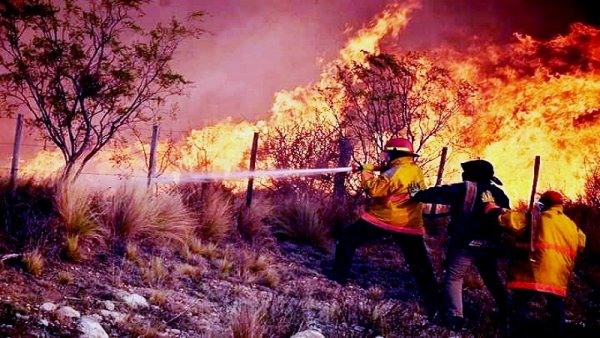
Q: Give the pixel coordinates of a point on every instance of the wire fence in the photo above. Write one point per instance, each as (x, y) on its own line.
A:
(32, 144)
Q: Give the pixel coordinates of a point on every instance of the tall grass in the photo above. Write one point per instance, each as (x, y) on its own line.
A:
(248, 323)
(81, 221)
(299, 219)
(135, 214)
(251, 221)
(212, 206)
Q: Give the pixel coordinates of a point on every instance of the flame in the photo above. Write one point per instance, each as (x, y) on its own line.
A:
(534, 98)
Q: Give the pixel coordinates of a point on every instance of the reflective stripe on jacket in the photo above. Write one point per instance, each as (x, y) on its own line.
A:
(391, 207)
(557, 243)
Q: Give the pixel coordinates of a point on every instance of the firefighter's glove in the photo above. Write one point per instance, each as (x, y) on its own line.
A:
(487, 197)
(489, 204)
(369, 167)
(413, 189)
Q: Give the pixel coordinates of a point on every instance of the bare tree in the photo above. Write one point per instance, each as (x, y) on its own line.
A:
(389, 96)
(298, 145)
(123, 157)
(84, 71)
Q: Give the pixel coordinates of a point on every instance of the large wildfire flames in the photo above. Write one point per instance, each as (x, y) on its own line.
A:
(533, 98)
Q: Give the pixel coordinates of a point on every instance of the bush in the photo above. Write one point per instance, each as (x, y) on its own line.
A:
(212, 208)
(27, 215)
(248, 323)
(34, 263)
(79, 218)
(299, 219)
(134, 214)
(251, 221)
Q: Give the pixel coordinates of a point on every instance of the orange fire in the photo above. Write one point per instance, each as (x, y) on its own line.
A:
(534, 98)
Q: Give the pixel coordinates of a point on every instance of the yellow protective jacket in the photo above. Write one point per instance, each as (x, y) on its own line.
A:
(391, 207)
(557, 242)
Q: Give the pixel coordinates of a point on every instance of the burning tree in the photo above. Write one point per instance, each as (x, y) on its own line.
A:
(388, 96)
(84, 71)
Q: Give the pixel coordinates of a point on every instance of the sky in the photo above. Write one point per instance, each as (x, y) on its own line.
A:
(256, 48)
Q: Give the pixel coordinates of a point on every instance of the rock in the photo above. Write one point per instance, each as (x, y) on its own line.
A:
(110, 306)
(68, 312)
(114, 316)
(173, 332)
(44, 322)
(90, 328)
(132, 300)
(308, 334)
(48, 307)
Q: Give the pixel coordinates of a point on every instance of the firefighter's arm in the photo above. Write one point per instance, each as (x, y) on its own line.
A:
(580, 240)
(444, 194)
(375, 185)
(511, 220)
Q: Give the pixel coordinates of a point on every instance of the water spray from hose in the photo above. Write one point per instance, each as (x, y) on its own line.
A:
(236, 175)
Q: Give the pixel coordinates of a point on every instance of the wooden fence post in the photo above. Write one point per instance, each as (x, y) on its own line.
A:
(252, 167)
(152, 157)
(345, 149)
(440, 175)
(15, 158)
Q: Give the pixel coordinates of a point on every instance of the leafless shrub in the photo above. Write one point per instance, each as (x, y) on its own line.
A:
(592, 188)
(284, 316)
(374, 318)
(28, 215)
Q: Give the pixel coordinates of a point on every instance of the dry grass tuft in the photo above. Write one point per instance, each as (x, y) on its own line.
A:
(158, 297)
(209, 251)
(71, 249)
(376, 293)
(225, 266)
(248, 323)
(137, 214)
(156, 272)
(300, 219)
(195, 245)
(131, 252)
(212, 204)
(65, 277)
(77, 214)
(189, 270)
(33, 262)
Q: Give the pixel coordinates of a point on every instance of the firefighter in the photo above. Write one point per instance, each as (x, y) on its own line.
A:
(472, 240)
(391, 213)
(541, 265)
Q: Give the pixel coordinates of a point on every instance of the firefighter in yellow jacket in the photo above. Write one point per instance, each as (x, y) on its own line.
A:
(391, 213)
(544, 257)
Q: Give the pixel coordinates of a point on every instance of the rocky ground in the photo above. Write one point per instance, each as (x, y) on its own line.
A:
(235, 290)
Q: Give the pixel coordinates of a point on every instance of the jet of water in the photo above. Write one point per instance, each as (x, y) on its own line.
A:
(236, 175)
